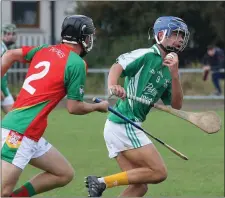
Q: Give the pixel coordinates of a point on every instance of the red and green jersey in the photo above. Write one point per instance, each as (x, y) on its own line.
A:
(54, 72)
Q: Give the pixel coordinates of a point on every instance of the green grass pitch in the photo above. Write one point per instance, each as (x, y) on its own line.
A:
(80, 140)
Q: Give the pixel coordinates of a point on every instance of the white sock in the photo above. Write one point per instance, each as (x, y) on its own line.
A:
(101, 180)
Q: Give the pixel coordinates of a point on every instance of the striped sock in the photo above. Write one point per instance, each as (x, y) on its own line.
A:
(27, 190)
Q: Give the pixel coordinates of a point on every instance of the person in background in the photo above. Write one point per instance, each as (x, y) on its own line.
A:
(213, 61)
(7, 42)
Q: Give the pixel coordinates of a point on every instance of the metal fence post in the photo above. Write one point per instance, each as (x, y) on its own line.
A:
(106, 84)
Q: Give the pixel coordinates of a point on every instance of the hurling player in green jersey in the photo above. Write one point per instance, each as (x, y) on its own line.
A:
(150, 75)
(7, 40)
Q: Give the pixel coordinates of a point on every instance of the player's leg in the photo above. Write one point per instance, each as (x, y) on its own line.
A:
(152, 169)
(7, 103)
(216, 82)
(9, 177)
(133, 190)
(222, 77)
(135, 146)
(57, 170)
(138, 150)
(13, 159)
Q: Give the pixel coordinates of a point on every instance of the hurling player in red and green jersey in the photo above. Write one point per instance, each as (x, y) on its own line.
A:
(54, 72)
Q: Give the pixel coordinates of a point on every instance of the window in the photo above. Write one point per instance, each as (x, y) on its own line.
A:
(26, 14)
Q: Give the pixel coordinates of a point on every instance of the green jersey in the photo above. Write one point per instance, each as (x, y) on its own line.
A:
(145, 77)
(4, 87)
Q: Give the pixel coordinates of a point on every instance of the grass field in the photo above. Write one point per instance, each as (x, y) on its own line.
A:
(80, 139)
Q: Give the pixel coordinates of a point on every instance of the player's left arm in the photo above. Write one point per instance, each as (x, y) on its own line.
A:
(9, 58)
(177, 92)
(24, 54)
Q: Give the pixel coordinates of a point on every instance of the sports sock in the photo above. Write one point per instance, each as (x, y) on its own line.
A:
(118, 179)
(27, 190)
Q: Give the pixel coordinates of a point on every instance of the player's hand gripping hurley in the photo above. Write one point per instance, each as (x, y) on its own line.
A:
(208, 121)
(140, 128)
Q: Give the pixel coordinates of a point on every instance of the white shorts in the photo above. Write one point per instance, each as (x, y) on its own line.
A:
(19, 150)
(121, 137)
(8, 100)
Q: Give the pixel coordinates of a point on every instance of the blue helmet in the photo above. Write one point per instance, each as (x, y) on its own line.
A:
(167, 25)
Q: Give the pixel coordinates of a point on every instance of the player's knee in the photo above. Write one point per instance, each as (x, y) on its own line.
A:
(160, 174)
(143, 188)
(67, 177)
(140, 188)
(6, 192)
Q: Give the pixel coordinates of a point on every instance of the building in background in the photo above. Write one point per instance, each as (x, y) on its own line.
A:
(38, 22)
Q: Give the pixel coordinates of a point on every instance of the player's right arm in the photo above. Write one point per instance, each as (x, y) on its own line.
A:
(114, 75)
(81, 108)
(75, 76)
(9, 58)
(127, 64)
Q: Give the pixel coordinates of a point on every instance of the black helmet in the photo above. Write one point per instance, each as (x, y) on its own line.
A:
(78, 29)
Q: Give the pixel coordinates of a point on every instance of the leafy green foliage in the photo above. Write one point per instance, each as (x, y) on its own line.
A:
(123, 26)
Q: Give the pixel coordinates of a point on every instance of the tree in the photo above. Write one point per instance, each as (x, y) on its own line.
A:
(123, 26)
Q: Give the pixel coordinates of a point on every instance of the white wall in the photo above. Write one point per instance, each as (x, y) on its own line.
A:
(45, 19)
(6, 12)
(62, 8)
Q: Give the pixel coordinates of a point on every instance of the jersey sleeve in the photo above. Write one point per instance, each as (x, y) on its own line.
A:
(75, 76)
(30, 51)
(132, 61)
(167, 95)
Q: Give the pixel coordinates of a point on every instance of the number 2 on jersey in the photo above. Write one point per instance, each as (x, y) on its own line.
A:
(26, 84)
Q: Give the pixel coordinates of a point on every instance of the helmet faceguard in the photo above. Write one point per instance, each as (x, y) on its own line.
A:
(168, 26)
(88, 43)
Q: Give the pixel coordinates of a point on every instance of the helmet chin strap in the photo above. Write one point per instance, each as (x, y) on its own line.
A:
(164, 49)
(168, 49)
